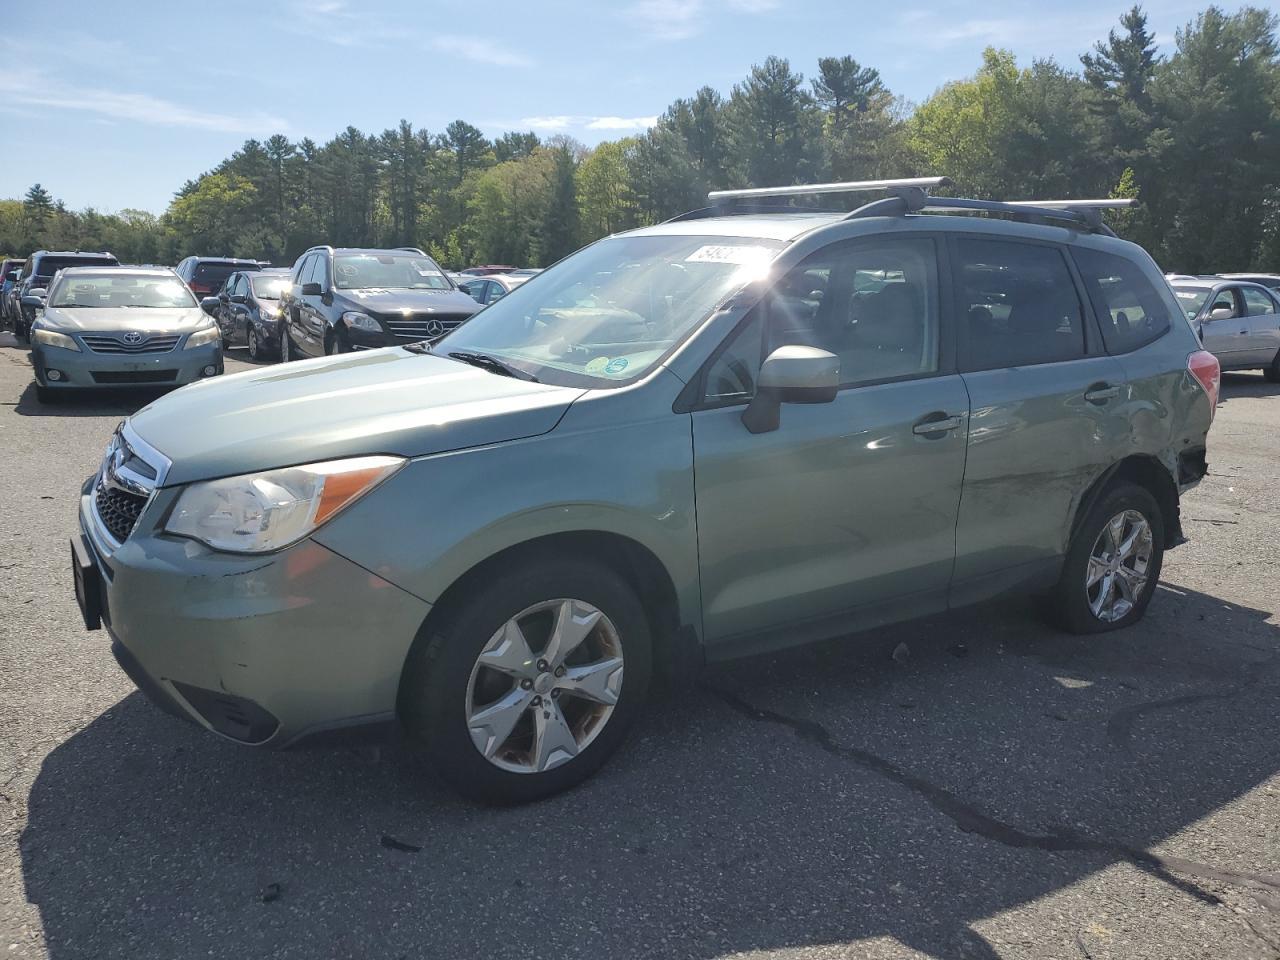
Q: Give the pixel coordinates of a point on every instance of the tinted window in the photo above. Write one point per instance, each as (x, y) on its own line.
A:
(1017, 305)
(317, 271)
(1257, 302)
(302, 268)
(51, 265)
(214, 275)
(1130, 312)
(873, 304)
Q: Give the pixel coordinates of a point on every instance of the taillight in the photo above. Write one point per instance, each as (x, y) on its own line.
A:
(1205, 368)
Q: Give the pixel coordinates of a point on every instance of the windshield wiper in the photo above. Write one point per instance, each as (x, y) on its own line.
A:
(492, 364)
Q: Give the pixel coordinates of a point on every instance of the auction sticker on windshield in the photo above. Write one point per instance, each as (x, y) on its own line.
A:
(739, 254)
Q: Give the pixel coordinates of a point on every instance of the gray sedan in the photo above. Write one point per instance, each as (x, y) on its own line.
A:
(120, 327)
(1239, 323)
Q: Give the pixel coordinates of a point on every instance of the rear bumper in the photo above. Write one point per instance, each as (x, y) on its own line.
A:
(96, 371)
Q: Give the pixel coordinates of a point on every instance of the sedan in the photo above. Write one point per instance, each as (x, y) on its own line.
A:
(1239, 323)
(119, 327)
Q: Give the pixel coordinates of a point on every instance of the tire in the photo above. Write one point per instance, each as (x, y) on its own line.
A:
(256, 352)
(286, 345)
(444, 685)
(1272, 373)
(1075, 603)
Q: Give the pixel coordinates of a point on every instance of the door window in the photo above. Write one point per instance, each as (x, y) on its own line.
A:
(1257, 302)
(303, 268)
(1130, 312)
(1224, 300)
(1017, 305)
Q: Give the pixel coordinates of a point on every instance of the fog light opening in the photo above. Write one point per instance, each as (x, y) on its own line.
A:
(209, 370)
(54, 375)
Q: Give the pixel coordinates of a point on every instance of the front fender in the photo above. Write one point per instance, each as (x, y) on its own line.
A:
(442, 515)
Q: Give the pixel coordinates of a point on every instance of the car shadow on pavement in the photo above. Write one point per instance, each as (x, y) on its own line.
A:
(1237, 384)
(826, 795)
(88, 403)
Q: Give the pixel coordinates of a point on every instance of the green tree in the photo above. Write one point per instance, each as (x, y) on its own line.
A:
(37, 211)
(773, 126)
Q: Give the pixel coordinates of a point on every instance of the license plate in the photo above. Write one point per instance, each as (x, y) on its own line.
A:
(88, 581)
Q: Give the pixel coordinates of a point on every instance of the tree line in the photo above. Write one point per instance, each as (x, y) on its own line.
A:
(1195, 136)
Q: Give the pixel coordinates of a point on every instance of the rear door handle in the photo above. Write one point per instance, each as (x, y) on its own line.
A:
(1102, 392)
(942, 424)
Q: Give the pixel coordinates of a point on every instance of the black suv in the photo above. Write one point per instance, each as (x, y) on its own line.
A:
(347, 299)
(38, 272)
(206, 275)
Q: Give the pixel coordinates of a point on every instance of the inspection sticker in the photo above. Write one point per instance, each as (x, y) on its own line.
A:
(616, 365)
(729, 253)
(596, 365)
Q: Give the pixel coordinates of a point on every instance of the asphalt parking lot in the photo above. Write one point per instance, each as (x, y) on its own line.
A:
(1004, 790)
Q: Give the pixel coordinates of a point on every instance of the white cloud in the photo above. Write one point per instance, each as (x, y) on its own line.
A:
(564, 121)
(35, 90)
(481, 51)
(684, 19)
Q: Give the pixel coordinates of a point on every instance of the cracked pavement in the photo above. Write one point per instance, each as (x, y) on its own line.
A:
(1005, 791)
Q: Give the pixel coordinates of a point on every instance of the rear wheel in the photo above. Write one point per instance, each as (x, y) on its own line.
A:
(529, 684)
(1113, 565)
(1272, 373)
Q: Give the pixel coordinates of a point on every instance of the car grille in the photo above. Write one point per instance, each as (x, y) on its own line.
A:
(422, 326)
(118, 509)
(115, 343)
(135, 376)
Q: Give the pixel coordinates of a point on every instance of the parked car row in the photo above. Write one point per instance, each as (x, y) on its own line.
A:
(713, 437)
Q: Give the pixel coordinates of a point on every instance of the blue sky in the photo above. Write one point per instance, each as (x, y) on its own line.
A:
(114, 105)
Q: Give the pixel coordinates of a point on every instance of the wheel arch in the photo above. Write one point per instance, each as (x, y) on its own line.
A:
(677, 647)
(1148, 472)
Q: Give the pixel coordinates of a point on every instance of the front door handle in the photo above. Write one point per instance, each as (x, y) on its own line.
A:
(939, 424)
(1102, 392)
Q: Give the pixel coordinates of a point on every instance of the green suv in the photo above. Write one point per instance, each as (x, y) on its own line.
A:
(747, 428)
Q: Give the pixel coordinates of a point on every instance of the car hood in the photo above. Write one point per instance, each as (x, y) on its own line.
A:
(141, 319)
(390, 401)
(415, 301)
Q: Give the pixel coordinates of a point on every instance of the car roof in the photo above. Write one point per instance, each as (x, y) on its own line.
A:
(373, 251)
(100, 254)
(773, 226)
(234, 260)
(128, 271)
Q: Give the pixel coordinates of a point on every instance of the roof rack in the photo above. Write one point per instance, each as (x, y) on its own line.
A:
(909, 195)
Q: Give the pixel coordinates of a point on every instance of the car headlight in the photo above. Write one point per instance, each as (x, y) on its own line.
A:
(361, 321)
(202, 336)
(268, 312)
(262, 512)
(52, 338)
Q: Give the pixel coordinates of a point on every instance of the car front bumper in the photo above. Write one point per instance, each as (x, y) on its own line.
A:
(263, 650)
(84, 369)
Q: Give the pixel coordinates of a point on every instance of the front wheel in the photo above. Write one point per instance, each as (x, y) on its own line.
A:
(1113, 565)
(256, 353)
(286, 345)
(529, 684)
(1272, 373)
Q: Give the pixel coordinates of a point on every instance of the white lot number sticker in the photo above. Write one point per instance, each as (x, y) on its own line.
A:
(729, 253)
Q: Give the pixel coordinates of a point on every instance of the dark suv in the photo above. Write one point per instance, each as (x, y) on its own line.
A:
(206, 275)
(38, 273)
(347, 299)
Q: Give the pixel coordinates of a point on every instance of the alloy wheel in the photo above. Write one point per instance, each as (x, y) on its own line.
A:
(544, 686)
(1116, 573)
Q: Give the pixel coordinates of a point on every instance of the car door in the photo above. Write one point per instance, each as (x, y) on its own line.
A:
(1264, 325)
(225, 314)
(1045, 410)
(1226, 338)
(844, 516)
(238, 308)
(313, 309)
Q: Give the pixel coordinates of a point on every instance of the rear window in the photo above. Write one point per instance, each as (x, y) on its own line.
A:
(218, 272)
(1130, 311)
(1018, 305)
(48, 266)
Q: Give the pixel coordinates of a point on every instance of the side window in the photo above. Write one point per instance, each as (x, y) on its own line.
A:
(320, 271)
(300, 270)
(1257, 302)
(732, 375)
(1225, 300)
(874, 304)
(233, 285)
(496, 291)
(1130, 312)
(1017, 305)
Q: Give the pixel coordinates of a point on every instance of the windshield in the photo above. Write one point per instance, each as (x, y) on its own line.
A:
(1191, 299)
(387, 271)
(609, 312)
(89, 291)
(269, 287)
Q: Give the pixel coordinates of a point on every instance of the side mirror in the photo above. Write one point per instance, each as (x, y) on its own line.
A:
(791, 374)
(210, 304)
(239, 298)
(32, 302)
(40, 293)
(311, 290)
(1220, 313)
